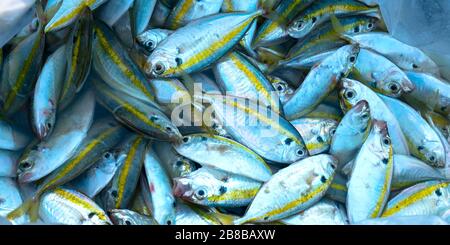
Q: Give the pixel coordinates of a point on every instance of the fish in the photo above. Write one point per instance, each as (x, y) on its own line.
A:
(352, 91)
(159, 184)
(69, 207)
(326, 111)
(291, 190)
(79, 58)
(137, 115)
(238, 77)
(321, 11)
(273, 31)
(423, 141)
(284, 90)
(10, 199)
(338, 188)
(160, 14)
(8, 160)
(216, 188)
(370, 183)
(316, 132)
(46, 93)
(129, 217)
(264, 132)
(185, 11)
(320, 82)
(69, 11)
(175, 164)
(111, 11)
(351, 133)
(406, 220)
(141, 13)
(150, 39)
(426, 198)
(189, 50)
(406, 57)
(324, 212)
(41, 158)
(382, 75)
(11, 137)
(119, 192)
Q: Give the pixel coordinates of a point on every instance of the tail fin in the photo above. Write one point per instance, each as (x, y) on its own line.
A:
(30, 207)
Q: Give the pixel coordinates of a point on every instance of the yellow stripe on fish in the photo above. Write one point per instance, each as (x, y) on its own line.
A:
(235, 195)
(122, 67)
(72, 14)
(386, 184)
(80, 202)
(178, 18)
(333, 8)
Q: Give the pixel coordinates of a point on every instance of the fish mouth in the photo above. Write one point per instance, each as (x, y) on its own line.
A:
(408, 87)
(42, 131)
(361, 106)
(24, 177)
(180, 189)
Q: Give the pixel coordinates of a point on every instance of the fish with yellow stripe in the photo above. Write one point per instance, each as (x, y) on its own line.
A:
(68, 207)
(273, 30)
(215, 188)
(115, 66)
(321, 11)
(140, 14)
(119, 192)
(291, 190)
(338, 189)
(198, 44)
(79, 57)
(160, 188)
(143, 118)
(238, 77)
(188, 10)
(220, 151)
(21, 69)
(69, 11)
(427, 198)
(316, 132)
(370, 183)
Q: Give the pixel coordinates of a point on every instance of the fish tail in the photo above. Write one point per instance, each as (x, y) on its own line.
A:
(41, 14)
(20, 211)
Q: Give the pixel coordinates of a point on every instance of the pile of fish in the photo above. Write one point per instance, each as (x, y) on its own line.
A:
(224, 112)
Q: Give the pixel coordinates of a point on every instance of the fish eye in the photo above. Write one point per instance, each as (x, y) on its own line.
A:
(332, 131)
(356, 30)
(370, 25)
(314, 19)
(185, 139)
(415, 66)
(169, 129)
(200, 194)
(352, 59)
(49, 125)
(386, 141)
(432, 158)
(178, 60)
(25, 165)
(169, 222)
(159, 68)
(394, 87)
(128, 222)
(349, 94)
(299, 24)
(365, 115)
(300, 152)
(107, 155)
(150, 44)
(179, 163)
(280, 88)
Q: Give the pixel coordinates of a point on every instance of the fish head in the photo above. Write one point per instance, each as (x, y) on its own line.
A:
(123, 217)
(44, 121)
(109, 162)
(302, 26)
(183, 166)
(170, 131)
(293, 150)
(162, 63)
(433, 153)
(360, 116)
(148, 40)
(350, 93)
(348, 56)
(198, 187)
(394, 83)
(366, 26)
(381, 132)
(27, 169)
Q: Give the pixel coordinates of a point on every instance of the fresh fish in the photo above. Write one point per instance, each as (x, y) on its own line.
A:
(316, 132)
(169, 93)
(8, 163)
(79, 57)
(175, 164)
(326, 111)
(42, 158)
(115, 66)
(12, 138)
(151, 38)
(382, 75)
(216, 188)
(128, 217)
(307, 61)
(111, 11)
(163, 201)
(320, 82)
(423, 141)
(10, 198)
(46, 93)
(261, 130)
(325, 212)
(160, 14)
(370, 182)
(430, 91)
(351, 133)
(406, 220)
(69, 207)
(352, 92)
(292, 190)
(284, 90)
(135, 114)
(188, 10)
(185, 215)
(273, 31)
(338, 189)
(69, 11)
(427, 198)
(141, 12)
(220, 150)
(198, 44)
(321, 11)
(238, 77)
(97, 177)
(403, 55)
(119, 192)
